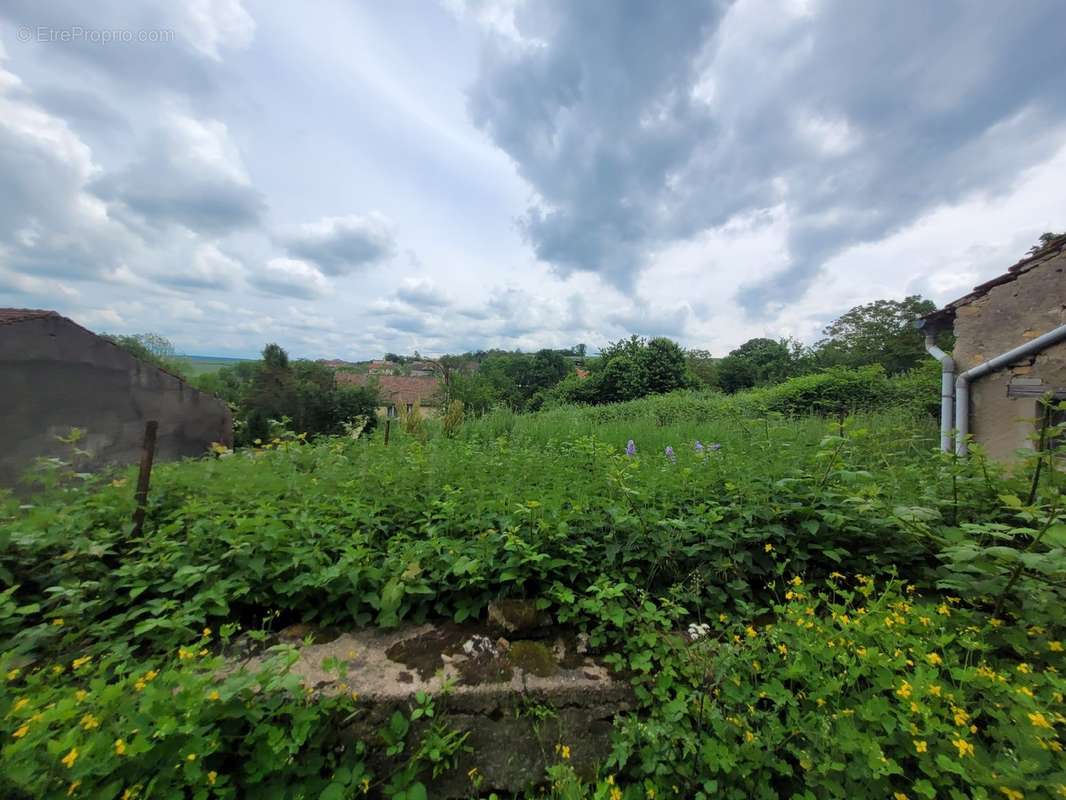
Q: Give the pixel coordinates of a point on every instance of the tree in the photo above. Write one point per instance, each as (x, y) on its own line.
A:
(758, 362)
(628, 369)
(881, 332)
(150, 347)
(1044, 240)
(703, 366)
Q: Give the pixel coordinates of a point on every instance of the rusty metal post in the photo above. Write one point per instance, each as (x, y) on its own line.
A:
(388, 424)
(144, 476)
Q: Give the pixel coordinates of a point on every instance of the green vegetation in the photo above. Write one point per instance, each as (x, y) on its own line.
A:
(195, 366)
(273, 396)
(880, 620)
(154, 349)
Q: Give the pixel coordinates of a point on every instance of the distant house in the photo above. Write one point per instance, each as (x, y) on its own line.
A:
(422, 369)
(56, 375)
(382, 368)
(399, 394)
(1010, 350)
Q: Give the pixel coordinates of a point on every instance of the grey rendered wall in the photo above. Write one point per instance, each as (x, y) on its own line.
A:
(1008, 316)
(55, 375)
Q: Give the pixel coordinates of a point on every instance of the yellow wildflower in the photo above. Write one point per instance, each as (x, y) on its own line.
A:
(80, 695)
(207, 633)
(58, 621)
(899, 796)
(139, 685)
(1039, 720)
(943, 610)
(1011, 794)
(921, 746)
(752, 633)
(934, 659)
(12, 674)
(1024, 668)
(924, 621)
(782, 649)
(995, 622)
(649, 793)
(935, 690)
(21, 732)
(214, 695)
(120, 747)
(365, 785)
(961, 717)
(78, 663)
(963, 746)
(89, 722)
(563, 750)
(73, 788)
(768, 547)
(21, 702)
(1055, 647)
(212, 776)
(820, 701)
(904, 690)
(190, 757)
(69, 759)
(616, 793)
(797, 581)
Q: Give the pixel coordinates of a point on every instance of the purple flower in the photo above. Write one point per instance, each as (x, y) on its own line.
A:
(699, 446)
(631, 448)
(670, 454)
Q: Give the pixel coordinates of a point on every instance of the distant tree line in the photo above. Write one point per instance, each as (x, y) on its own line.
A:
(274, 394)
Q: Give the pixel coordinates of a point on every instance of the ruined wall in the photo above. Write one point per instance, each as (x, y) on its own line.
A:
(55, 375)
(1007, 316)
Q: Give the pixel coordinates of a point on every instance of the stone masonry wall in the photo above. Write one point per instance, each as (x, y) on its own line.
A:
(1007, 316)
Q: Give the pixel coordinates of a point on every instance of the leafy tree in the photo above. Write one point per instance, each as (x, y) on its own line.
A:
(881, 332)
(703, 366)
(758, 362)
(150, 347)
(628, 369)
(1044, 240)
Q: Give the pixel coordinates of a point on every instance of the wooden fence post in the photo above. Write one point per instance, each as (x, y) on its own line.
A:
(387, 426)
(145, 474)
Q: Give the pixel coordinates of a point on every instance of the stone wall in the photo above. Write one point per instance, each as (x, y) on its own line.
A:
(1009, 315)
(56, 375)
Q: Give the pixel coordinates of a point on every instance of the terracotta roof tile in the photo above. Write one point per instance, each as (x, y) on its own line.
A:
(397, 390)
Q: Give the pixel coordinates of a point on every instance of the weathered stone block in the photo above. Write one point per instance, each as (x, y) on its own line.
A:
(517, 700)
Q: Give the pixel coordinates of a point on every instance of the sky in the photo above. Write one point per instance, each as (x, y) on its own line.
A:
(353, 178)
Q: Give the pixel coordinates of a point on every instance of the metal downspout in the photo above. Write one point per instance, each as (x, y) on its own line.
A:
(947, 391)
(962, 383)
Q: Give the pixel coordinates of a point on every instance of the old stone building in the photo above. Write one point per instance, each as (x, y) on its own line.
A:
(1010, 350)
(56, 375)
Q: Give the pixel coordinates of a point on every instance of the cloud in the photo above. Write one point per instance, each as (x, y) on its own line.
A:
(291, 277)
(421, 292)
(341, 245)
(641, 127)
(190, 173)
(182, 41)
(205, 267)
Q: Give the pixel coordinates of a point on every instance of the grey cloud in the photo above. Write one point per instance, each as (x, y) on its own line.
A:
(340, 245)
(421, 293)
(640, 124)
(187, 174)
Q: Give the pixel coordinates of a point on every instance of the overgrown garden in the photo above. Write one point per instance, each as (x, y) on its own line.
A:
(807, 606)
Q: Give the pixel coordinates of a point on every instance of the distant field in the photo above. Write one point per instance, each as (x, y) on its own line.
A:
(201, 365)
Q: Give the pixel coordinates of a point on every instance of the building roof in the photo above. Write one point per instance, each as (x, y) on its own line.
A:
(945, 317)
(397, 390)
(9, 316)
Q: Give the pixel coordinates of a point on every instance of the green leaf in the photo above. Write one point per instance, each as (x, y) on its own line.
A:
(335, 791)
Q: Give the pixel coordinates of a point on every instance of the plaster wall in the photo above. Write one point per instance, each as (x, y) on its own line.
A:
(55, 375)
